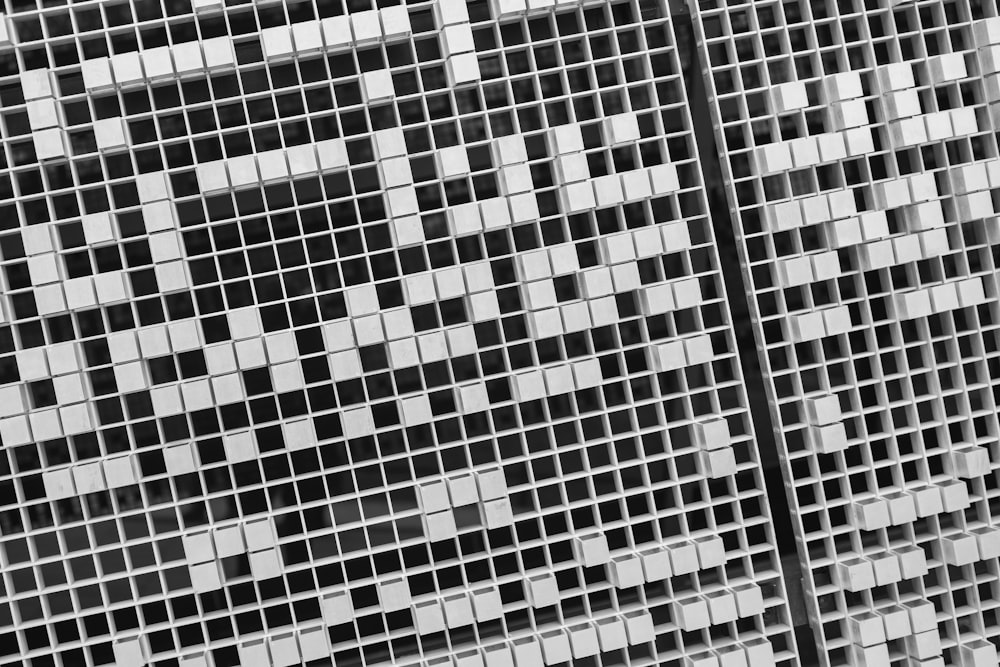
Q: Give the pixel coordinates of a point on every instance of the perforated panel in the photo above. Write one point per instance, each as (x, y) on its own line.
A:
(862, 170)
(367, 336)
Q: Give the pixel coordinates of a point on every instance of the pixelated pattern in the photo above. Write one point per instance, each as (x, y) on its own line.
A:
(862, 170)
(367, 335)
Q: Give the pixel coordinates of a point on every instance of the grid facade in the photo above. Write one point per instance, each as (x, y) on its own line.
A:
(861, 166)
(368, 335)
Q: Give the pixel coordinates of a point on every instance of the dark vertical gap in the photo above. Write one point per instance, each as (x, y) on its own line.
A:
(738, 295)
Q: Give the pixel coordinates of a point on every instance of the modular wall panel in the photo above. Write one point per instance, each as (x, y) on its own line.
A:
(861, 167)
(368, 335)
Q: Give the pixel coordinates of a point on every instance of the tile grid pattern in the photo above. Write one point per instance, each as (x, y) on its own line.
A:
(862, 171)
(338, 337)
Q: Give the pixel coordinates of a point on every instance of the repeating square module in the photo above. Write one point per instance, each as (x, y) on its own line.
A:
(886, 496)
(391, 334)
